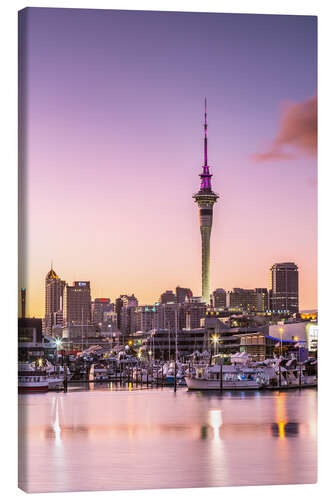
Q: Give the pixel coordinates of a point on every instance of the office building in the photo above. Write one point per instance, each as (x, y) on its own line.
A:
(284, 287)
(261, 299)
(242, 299)
(219, 298)
(98, 308)
(77, 304)
(54, 301)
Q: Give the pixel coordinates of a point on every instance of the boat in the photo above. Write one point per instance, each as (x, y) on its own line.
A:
(169, 373)
(32, 379)
(234, 377)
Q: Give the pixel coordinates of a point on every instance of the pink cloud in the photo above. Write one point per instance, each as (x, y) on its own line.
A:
(297, 129)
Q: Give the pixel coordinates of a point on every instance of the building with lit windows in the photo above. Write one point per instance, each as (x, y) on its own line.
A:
(98, 308)
(261, 299)
(77, 304)
(242, 299)
(220, 298)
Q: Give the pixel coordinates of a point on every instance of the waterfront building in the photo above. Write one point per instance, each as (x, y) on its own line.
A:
(312, 337)
(205, 198)
(98, 308)
(32, 344)
(77, 304)
(220, 298)
(162, 343)
(284, 287)
(54, 301)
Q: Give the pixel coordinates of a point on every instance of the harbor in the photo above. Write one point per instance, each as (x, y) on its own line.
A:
(237, 372)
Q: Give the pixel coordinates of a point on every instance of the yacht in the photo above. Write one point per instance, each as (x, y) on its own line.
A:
(234, 377)
(30, 379)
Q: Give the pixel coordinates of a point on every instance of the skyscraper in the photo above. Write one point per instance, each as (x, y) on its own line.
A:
(205, 198)
(98, 308)
(77, 304)
(261, 299)
(54, 296)
(284, 287)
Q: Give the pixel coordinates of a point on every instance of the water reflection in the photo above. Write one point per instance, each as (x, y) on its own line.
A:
(56, 422)
(283, 429)
(167, 440)
(215, 417)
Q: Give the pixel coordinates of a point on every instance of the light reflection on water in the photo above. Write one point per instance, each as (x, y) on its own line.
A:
(96, 439)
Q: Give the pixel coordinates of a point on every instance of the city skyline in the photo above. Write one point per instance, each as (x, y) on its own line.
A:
(109, 180)
(58, 283)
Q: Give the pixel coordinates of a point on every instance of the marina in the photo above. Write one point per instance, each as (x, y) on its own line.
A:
(240, 373)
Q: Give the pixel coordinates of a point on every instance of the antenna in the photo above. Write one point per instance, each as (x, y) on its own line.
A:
(205, 142)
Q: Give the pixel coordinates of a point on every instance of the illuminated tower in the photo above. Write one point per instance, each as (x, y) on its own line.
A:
(205, 198)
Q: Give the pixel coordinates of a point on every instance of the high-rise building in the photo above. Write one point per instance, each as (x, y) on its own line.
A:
(220, 298)
(186, 315)
(261, 299)
(77, 304)
(127, 314)
(168, 296)
(205, 198)
(119, 302)
(284, 287)
(146, 318)
(54, 301)
(242, 299)
(182, 294)
(98, 308)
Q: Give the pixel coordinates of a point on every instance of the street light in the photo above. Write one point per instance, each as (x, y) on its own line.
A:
(58, 344)
(215, 340)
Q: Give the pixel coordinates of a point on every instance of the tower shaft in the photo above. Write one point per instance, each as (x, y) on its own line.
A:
(205, 198)
(205, 263)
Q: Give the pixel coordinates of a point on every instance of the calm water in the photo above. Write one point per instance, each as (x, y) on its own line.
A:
(105, 439)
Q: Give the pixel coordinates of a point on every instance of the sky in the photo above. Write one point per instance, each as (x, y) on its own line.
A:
(111, 122)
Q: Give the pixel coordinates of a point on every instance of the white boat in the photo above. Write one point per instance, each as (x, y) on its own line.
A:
(31, 379)
(233, 378)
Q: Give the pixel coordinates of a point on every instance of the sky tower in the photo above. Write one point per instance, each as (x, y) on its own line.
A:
(205, 198)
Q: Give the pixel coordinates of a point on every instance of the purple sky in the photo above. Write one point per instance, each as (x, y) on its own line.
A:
(114, 147)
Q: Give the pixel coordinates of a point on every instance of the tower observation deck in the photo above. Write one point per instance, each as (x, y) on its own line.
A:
(205, 198)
